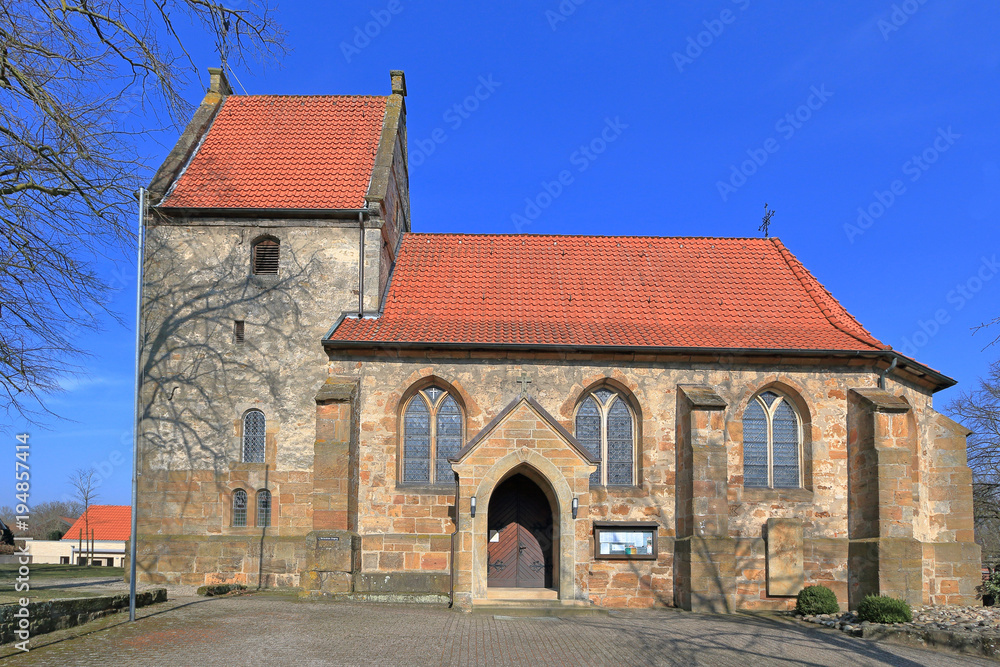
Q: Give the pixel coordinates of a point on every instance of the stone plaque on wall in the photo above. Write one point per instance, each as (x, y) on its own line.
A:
(784, 557)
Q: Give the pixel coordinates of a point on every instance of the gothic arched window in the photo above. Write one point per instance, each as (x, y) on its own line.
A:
(265, 254)
(239, 508)
(771, 443)
(432, 433)
(263, 508)
(606, 428)
(254, 436)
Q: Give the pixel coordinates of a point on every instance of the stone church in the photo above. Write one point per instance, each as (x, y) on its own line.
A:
(336, 403)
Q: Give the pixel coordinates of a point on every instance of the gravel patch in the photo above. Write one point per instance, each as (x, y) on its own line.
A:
(980, 620)
(969, 630)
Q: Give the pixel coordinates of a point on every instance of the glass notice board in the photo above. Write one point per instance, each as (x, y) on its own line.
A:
(628, 541)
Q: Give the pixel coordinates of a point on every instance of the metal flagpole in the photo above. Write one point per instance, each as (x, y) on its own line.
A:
(135, 423)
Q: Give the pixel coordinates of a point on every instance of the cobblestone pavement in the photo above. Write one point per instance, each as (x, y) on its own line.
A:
(280, 630)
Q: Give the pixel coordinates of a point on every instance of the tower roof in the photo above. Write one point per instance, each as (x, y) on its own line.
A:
(283, 152)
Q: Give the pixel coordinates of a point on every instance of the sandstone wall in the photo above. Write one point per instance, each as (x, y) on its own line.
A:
(406, 534)
(485, 383)
(199, 382)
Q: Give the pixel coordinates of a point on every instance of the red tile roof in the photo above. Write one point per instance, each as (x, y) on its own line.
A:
(270, 151)
(580, 291)
(109, 522)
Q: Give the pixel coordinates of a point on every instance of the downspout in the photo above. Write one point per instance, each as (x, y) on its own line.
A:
(361, 265)
(454, 544)
(882, 376)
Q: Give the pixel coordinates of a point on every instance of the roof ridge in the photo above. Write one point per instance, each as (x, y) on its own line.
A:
(809, 282)
(589, 236)
(294, 96)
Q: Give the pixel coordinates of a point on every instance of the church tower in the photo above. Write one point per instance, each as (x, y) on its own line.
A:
(272, 217)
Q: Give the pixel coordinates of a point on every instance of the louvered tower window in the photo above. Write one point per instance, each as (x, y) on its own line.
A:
(265, 257)
(239, 508)
(606, 428)
(771, 443)
(254, 436)
(263, 508)
(432, 433)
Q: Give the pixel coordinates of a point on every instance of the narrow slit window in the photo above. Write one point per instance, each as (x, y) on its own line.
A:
(254, 436)
(239, 508)
(263, 508)
(266, 253)
(239, 330)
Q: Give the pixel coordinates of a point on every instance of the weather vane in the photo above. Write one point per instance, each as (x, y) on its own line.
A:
(766, 222)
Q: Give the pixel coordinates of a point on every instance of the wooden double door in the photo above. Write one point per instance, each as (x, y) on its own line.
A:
(520, 536)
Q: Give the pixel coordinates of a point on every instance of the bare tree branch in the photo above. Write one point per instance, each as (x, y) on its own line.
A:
(85, 487)
(79, 82)
(986, 325)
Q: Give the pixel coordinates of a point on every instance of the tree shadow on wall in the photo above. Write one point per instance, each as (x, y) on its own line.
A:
(197, 379)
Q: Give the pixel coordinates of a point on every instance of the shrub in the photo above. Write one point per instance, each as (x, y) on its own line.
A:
(989, 591)
(884, 609)
(814, 600)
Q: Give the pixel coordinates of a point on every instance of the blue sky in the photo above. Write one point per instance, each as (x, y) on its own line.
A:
(869, 127)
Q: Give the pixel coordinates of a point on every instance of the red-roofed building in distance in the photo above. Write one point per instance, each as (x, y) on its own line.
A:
(335, 402)
(104, 544)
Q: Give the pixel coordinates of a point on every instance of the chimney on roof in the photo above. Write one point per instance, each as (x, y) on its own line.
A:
(398, 82)
(217, 82)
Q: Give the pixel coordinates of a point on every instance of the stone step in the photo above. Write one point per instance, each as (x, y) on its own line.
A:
(391, 598)
(521, 594)
(517, 608)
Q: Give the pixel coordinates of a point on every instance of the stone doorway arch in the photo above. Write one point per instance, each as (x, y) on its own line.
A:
(526, 440)
(522, 533)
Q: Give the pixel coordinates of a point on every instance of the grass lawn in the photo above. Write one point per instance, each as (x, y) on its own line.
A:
(42, 577)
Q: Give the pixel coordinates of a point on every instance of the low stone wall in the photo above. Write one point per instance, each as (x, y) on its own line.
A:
(68, 612)
(198, 560)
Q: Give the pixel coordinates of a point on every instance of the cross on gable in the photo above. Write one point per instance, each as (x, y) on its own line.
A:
(524, 381)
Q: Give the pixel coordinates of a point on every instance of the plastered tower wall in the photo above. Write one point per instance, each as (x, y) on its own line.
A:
(198, 381)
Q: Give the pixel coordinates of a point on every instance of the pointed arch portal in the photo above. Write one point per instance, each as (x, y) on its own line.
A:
(524, 454)
(519, 554)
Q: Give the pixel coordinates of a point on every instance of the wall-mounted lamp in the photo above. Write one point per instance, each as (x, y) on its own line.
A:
(576, 507)
(474, 507)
